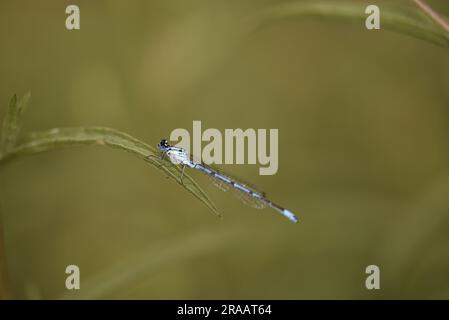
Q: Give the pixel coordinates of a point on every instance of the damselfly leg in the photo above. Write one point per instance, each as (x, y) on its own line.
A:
(160, 158)
(182, 172)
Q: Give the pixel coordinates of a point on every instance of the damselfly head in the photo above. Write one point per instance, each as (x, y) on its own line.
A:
(163, 145)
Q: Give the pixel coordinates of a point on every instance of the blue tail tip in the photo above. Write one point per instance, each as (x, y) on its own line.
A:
(290, 216)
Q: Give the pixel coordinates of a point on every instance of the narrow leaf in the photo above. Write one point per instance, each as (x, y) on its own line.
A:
(12, 122)
(405, 20)
(61, 138)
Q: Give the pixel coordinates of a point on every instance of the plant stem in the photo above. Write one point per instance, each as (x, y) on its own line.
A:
(433, 14)
(5, 292)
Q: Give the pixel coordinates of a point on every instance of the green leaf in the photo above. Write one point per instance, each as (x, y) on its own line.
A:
(405, 20)
(13, 122)
(62, 138)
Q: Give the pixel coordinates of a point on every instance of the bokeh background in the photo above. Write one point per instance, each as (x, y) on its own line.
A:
(363, 119)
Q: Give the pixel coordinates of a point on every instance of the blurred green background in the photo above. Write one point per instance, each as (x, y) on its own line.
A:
(363, 119)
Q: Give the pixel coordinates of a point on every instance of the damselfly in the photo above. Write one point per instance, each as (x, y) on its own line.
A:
(247, 193)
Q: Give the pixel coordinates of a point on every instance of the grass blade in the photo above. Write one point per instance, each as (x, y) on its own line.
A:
(148, 261)
(404, 20)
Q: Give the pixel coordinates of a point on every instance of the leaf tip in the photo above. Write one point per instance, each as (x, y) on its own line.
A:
(13, 100)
